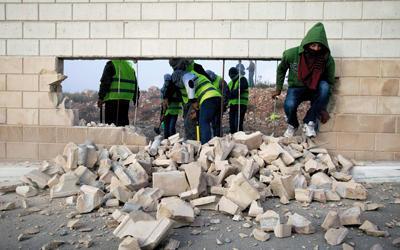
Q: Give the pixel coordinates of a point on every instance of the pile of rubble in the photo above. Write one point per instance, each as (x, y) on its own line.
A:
(177, 179)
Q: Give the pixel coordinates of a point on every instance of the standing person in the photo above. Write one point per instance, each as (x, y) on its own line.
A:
(232, 93)
(251, 70)
(117, 88)
(175, 106)
(220, 85)
(240, 68)
(311, 77)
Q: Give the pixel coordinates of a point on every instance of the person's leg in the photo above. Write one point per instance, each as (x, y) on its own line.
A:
(243, 109)
(294, 97)
(207, 111)
(251, 81)
(233, 109)
(110, 112)
(167, 120)
(190, 124)
(123, 113)
(172, 124)
(318, 99)
(217, 116)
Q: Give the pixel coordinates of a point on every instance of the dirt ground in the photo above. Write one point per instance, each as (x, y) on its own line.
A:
(51, 221)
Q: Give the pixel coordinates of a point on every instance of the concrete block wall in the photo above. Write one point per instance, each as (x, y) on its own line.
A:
(364, 37)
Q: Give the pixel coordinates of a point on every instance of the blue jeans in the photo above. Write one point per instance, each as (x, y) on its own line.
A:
(210, 111)
(234, 116)
(251, 81)
(169, 125)
(295, 96)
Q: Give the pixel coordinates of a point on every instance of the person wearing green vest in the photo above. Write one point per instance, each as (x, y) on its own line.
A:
(311, 77)
(117, 88)
(220, 85)
(232, 93)
(174, 108)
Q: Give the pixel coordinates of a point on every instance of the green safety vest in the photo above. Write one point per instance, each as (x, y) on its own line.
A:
(204, 89)
(216, 84)
(244, 96)
(127, 82)
(190, 67)
(174, 108)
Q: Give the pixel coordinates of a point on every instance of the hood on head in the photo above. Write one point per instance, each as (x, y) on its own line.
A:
(316, 34)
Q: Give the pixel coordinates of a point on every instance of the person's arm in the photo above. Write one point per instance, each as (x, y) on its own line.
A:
(329, 77)
(200, 70)
(106, 80)
(280, 75)
(243, 85)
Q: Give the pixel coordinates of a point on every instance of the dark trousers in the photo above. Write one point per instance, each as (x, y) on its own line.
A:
(169, 125)
(251, 80)
(111, 112)
(234, 117)
(210, 112)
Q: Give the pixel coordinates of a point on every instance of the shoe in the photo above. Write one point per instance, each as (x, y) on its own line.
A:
(290, 131)
(309, 130)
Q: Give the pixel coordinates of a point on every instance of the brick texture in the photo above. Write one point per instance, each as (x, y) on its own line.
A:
(387, 142)
(39, 134)
(110, 136)
(376, 124)
(379, 86)
(345, 123)
(11, 133)
(347, 141)
(22, 150)
(360, 68)
(72, 134)
(48, 151)
(390, 68)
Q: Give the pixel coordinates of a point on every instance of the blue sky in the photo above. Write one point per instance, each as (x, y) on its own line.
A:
(86, 74)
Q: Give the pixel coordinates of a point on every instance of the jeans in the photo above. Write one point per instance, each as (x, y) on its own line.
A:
(234, 115)
(111, 108)
(295, 96)
(190, 125)
(210, 111)
(169, 125)
(251, 81)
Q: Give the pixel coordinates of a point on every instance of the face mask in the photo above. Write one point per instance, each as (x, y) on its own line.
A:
(234, 78)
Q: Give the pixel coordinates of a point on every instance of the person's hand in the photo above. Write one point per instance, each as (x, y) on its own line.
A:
(192, 114)
(196, 105)
(100, 103)
(166, 104)
(276, 93)
(324, 116)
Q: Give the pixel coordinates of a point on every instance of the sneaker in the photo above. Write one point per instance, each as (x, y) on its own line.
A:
(290, 131)
(309, 130)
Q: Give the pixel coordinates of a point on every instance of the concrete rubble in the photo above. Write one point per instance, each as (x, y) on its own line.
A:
(234, 175)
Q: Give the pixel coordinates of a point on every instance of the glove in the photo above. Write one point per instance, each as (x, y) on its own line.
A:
(100, 103)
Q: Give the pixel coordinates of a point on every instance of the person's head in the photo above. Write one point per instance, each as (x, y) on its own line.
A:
(315, 46)
(177, 64)
(211, 74)
(250, 60)
(240, 61)
(177, 78)
(233, 73)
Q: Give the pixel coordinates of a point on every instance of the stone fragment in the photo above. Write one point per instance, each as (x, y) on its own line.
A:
(118, 215)
(66, 186)
(129, 243)
(347, 247)
(331, 195)
(71, 200)
(321, 180)
(218, 190)
(239, 150)
(300, 224)
(106, 177)
(227, 206)
(112, 223)
(195, 175)
(252, 141)
(283, 230)
(336, 236)
(377, 233)
(284, 200)
(73, 224)
(91, 158)
(105, 165)
(367, 225)
(350, 190)
(176, 209)
(148, 198)
(116, 182)
(332, 220)
(347, 165)
(352, 216)
(26, 180)
(304, 195)
(52, 245)
(172, 183)
(376, 247)
(28, 211)
(373, 206)
(242, 192)
(39, 178)
(255, 209)
(269, 220)
(191, 194)
(90, 200)
(273, 151)
(121, 194)
(179, 154)
(53, 181)
(341, 176)
(134, 177)
(23, 237)
(32, 230)
(26, 191)
(72, 159)
(222, 148)
(112, 203)
(130, 207)
(24, 204)
(124, 152)
(396, 242)
(283, 186)
(260, 235)
(208, 202)
(85, 175)
(319, 195)
(300, 181)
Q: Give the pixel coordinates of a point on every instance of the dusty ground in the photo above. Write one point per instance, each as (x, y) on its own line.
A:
(51, 222)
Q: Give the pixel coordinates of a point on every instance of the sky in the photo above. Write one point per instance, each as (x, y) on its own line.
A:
(86, 74)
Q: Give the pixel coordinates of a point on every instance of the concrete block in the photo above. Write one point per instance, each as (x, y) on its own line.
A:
(141, 29)
(362, 68)
(358, 105)
(73, 30)
(242, 192)
(362, 29)
(195, 175)
(109, 136)
(304, 11)
(66, 186)
(352, 216)
(380, 86)
(252, 141)
(129, 243)
(119, 47)
(2, 82)
(75, 134)
(51, 78)
(345, 48)
(22, 47)
(385, 105)
(114, 30)
(268, 48)
(268, 220)
(194, 11)
(347, 86)
(390, 68)
(255, 209)
(230, 11)
(358, 141)
(74, 224)
(14, 149)
(387, 143)
(39, 134)
(304, 195)
(56, 12)
(159, 11)
(220, 29)
(172, 183)
(300, 224)
(379, 46)
(123, 11)
(267, 11)
(175, 209)
(83, 12)
(23, 82)
(332, 220)
(37, 100)
(90, 200)
(56, 48)
(342, 10)
(39, 178)
(22, 12)
(200, 48)
(11, 30)
(10, 186)
(260, 235)
(56, 117)
(3, 116)
(89, 48)
(391, 29)
(39, 30)
(252, 29)
(26, 191)
(293, 30)
(226, 206)
(321, 180)
(384, 10)
(11, 65)
(176, 30)
(34, 65)
(283, 230)
(11, 133)
(2, 12)
(336, 236)
(85, 175)
(158, 48)
(376, 124)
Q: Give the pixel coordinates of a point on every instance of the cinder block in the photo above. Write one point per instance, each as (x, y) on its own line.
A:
(50, 150)
(347, 141)
(10, 99)
(342, 10)
(197, 48)
(56, 47)
(362, 29)
(223, 48)
(230, 11)
(266, 48)
(36, 100)
(379, 86)
(381, 10)
(23, 82)
(358, 105)
(23, 116)
(39, 30)
(120, 47)
(141, 30)
(327, 137)
(391, 29)
(110, 136)
(338, 68)
(3, 47)
(72, 134)
(22, 47)
(389, 105)
(328, 126)
(11, 133)
(22, 150)
(347, 86)
(219, 29)
(387, 142)
(123, 11)
(380, 48)
(132, 139)
(396, 156)
(252, 29)
(3, 150)
(133, 148)
(72, 1)
(11, 30)
(194, 11)
(177, 29)
(267, 11)
(73, 30)
(376, 124)
(39, 134)
(89, 48)
(345, 123)
(10, 65)
(304, 11)
(93, 11)
(345, 48)
(33, 65)
(384, 156)
(286, 30)
(113, 30)
(56, 117)
(158, 48)
(56, 12)
(2, 12)
(45, 80)
(159, 11)
(22, 12)
(389, 68)
(398, 125)
(360, 68)
(332, 29)
(3, 116)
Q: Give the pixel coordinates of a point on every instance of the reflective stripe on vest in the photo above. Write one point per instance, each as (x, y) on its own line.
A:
(204, 89)
(174, 108)
(216, 84)
(127, 82)
(244, 96)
